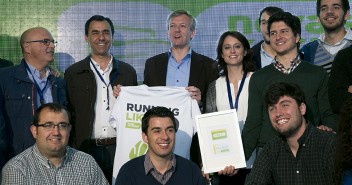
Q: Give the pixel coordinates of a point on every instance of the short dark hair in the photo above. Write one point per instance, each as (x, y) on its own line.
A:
(54, 107)
(247, 63)
(99, 18)
(290, 20)
(181, 12)
(270, 10)
(345, 6)
(157, 112)
(280, 89)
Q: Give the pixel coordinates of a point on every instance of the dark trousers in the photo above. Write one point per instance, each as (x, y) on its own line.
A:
(104, 156)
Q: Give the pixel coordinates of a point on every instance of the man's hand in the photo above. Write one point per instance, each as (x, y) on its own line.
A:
(116, 90)
(350, 89)
(194, 93)
(325, 128)
(229, 171)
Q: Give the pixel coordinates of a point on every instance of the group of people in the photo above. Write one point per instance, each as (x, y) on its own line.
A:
(287, 101)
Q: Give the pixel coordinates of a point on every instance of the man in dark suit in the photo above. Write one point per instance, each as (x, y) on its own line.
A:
(181, 66)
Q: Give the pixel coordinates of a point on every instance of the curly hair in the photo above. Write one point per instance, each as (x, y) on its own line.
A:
(248, 64)
(343, 159)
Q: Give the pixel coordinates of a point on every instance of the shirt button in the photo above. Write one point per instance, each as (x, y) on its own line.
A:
(297, 171)
(304, 144)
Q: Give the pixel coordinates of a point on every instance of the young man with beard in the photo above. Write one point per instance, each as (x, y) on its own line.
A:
(285, 32)
(301, 154)
(263, 54)
(332, 14)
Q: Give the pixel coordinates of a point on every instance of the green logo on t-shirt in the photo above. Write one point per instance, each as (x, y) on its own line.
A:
(139, 149)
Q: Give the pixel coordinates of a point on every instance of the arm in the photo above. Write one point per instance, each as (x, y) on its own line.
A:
(261, 172)
(253, 124)
(328, 118)
(211, 98)
(340, 81)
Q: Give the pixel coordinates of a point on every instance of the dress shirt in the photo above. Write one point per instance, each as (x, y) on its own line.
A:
(265, 58)
(333, 49)
(102, 128)
(162, 178)
(34, 74)
(294, 63)
(178, 73)
(31, 167)
(313, 163)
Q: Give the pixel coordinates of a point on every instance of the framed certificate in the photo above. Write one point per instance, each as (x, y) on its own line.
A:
(220, 141)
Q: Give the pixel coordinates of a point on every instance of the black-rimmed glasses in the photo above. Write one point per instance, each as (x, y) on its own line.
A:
(51, 126)
(46, 42)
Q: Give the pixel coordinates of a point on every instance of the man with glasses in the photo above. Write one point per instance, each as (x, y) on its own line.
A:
(50, 160)
(24, 87)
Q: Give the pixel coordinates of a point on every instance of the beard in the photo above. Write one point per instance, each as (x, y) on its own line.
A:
(333, 28)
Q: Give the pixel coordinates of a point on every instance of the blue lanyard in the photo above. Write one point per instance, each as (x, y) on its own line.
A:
(238, 93)
(39, 91)
(102, 79)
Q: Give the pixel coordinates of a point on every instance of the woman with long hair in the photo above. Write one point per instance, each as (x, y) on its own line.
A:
(230, 90)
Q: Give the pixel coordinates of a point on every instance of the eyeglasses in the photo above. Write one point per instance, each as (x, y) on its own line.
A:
(46, 42)
(51, 126)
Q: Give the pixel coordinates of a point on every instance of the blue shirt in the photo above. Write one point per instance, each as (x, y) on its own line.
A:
(178, 73)
(35, 75)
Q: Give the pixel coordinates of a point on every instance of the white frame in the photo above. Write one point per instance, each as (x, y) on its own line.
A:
(220, 141)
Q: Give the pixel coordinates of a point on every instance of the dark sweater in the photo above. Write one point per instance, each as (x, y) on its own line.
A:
(133, 173)
(312, 79)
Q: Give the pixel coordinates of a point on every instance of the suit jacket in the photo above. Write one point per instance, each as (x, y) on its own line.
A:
(81, 95)
(203, 71)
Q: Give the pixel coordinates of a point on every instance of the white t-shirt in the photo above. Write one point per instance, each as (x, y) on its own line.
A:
(129, 109)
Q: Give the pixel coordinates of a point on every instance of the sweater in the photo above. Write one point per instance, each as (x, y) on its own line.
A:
(133, 173)
(312, 79)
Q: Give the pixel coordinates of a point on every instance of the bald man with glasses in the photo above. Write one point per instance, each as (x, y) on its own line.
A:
(24, 87)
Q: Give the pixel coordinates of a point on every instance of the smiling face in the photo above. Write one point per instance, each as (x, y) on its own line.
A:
(160, 137)
(233, 51)
(179, 32)
(287, 117)
(99, 38)
(332, 16)
(282, 39)
(37, 53)
(51, 143)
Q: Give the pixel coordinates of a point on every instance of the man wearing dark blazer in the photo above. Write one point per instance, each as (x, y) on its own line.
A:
(181, 66)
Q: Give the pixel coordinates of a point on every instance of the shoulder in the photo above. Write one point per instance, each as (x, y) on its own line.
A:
(125, 66)
(309, 45)
(199, 57)
(78, 66)
(79, 156)
(185, 164)
(157, 57)
(21, 160)
(312, 67)
(258, 46)
(346, 51)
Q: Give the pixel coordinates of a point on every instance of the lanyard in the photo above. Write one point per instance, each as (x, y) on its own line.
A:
(102, 79)
(238, 93)
(40, 91)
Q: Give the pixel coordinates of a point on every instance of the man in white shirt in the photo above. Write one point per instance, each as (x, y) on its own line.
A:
(90, 93)
(332, 14)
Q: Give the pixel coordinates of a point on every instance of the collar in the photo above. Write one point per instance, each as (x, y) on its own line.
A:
(45, 161)
(305, 136)
(189, 53)
(108, 68)
(148, 165)
(348, 36)
(36, 73)
(294, 63)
